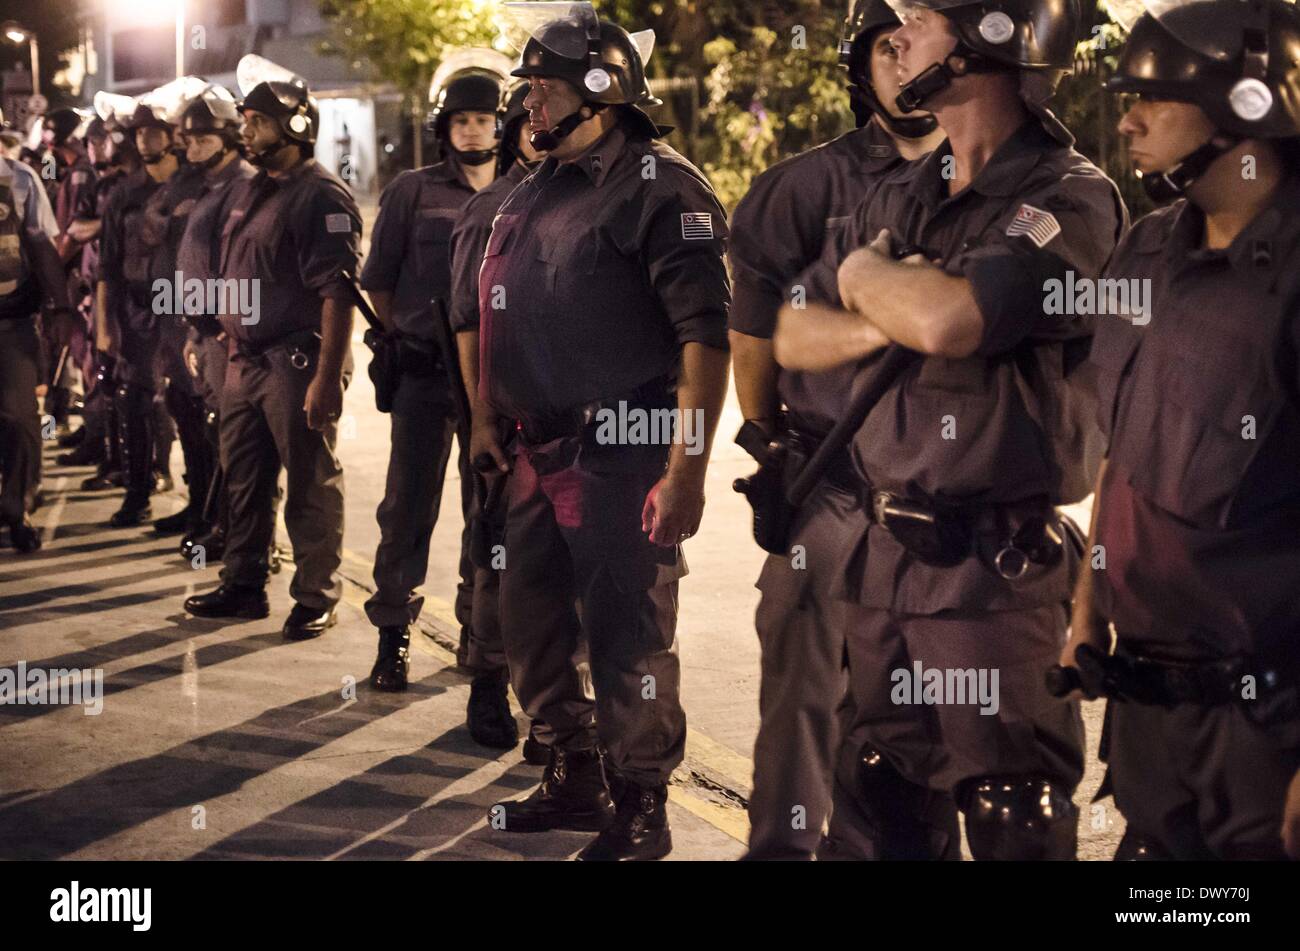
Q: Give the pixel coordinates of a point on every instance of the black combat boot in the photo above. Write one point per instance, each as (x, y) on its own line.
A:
(230, 601)
(89, 452)
(573, 795)
(213, 542)
(536, 751)
(26, 538)
(640, 829)
(393, 665)
(177, 523)
(488, 713)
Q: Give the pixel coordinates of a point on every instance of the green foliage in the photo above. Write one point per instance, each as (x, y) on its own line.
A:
(403, 40)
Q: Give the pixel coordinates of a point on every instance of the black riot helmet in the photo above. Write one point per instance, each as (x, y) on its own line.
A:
(212, 112)
(61, 124)
(469, 80)
(997, 35)
(283, 96)
(1238, 60)
(600, 59)
(509, 116)
(146, 116)
(863, 24)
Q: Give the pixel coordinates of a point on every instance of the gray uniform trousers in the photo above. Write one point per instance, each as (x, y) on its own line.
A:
(802, 636)
(939, 746)
(1206, 782)
(263, 427)
(20, 421)
(423, 424)
(578, 565)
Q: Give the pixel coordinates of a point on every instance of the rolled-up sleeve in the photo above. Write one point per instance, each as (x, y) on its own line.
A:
(328, 240)
(771, 231)
(685, 240)
(468, 242)
(1068, 231)
(392, 232)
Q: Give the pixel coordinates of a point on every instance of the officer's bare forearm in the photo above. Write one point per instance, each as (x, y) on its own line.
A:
(335, 337)
(913, 303)
(383, 302)
(1085, 604)
(467, 351)
(817, 337)
(701, 386)
(756, 375)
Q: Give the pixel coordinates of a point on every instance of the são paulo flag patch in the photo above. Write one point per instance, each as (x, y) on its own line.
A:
(1035, 224)
(697, 226)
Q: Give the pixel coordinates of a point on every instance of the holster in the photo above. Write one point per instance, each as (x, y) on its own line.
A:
(385, 367)
(765, 490)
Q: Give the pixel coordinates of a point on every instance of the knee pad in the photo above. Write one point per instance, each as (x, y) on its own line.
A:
(1017, 818)
(912, 822)
(1136, 847)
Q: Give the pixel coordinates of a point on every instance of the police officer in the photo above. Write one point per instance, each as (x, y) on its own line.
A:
(516, 158)
(69, 194)
(289, 233)
(210, 125)
(114, 157)
(1196, 562)
(409, 265)
(126, 323)
(778, 230)
(603, 299)
(961, 565)
(30, 275)
(163, 224)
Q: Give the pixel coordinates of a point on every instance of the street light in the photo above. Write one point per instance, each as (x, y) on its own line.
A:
(15, 34)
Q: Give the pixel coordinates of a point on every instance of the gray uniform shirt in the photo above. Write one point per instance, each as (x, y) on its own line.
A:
(468, 242)
(409, 250)
(992, 427)
(293, 236)
(788, 216)
(1199, 513)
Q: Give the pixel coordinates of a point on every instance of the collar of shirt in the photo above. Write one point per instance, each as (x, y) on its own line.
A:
(874, 147)
(596, 161)
(448, 170)
(1249, 252)
(290, 176)
(1000, 177)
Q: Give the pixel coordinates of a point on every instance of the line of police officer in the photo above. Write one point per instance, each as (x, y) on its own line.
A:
(907, 261)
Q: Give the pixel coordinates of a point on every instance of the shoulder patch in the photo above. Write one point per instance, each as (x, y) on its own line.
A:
(338, 223)
(1035, 224)
(697, 226)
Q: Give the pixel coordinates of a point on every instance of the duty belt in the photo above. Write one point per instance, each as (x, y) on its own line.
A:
(1026, 532)
(1131, 675)
(570, 423)
(300, 344)
(839, 474)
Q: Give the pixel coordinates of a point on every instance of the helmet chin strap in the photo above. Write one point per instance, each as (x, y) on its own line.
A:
(261, 158)
(936, 78)
(1171, 184)
(474, 156)
(548, 139)
(865, 103)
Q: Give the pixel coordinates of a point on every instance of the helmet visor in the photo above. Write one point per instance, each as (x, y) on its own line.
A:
(112, 106)
(254, 70)
(169, 100)
(562, 28)
(477, 58)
